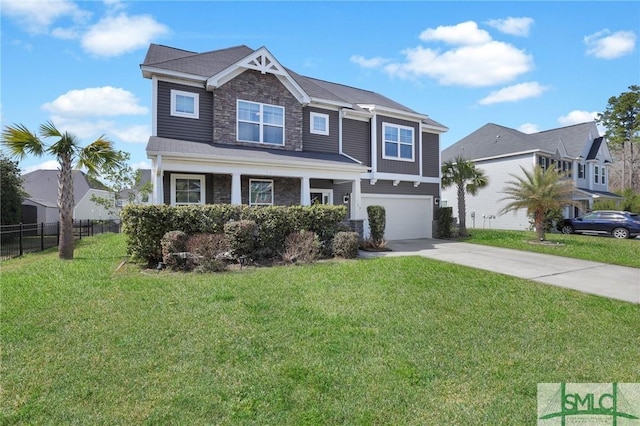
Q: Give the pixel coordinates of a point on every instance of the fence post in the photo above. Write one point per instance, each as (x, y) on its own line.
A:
(21, 237)
(41, 236)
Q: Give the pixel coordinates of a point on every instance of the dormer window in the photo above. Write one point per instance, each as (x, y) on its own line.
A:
(260, 123)
(184, 104)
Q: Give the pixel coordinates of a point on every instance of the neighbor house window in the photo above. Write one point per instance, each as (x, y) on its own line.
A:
(581, 171)
(187, 189)
(319, 123)
(184, 104)
(260, 192)
(260, 123)
(398, 142)
(603, 179)
(596, 175)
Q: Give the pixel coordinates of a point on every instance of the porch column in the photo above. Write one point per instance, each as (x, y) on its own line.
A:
(356, 202)
(305, 191)
(158, 183)
(236, 189)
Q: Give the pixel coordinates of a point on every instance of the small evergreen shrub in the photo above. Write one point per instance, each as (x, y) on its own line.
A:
(302, 246)
(241, 236)
(345, 244)
(174, 248)
(444, 216)
(377, 223)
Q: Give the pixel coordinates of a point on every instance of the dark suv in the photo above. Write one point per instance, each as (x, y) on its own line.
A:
(615, 223)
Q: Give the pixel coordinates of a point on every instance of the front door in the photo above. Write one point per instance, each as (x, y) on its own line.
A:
(321, 196)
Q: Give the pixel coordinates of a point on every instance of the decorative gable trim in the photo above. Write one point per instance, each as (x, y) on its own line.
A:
(264, 62)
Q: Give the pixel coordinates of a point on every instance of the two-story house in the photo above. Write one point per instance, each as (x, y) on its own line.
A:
(236, 126)
(577, 150)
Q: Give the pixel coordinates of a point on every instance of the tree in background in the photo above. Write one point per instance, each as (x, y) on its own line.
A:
(125, 183)
(99, 156)
(539, 192)
(468, 180)
(11, 192)
(621, 118)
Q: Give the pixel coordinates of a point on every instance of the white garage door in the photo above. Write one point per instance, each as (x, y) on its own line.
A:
(408, 216)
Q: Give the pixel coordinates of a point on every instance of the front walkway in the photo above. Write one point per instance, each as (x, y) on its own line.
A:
(615, 282)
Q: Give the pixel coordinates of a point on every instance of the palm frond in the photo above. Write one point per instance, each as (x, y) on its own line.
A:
(21, 142)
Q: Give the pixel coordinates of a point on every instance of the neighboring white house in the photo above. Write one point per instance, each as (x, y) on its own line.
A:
(499, 151)
(42, 189)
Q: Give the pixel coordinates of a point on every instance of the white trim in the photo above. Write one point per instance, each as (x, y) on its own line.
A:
(312, 116)
(398, 142)
(374, 177)
(203, 191)
(335, 104)
(148, 72)
(196, 104)
(324, 192)
(393, 112)
(430, 128)
(261, 123)
(374, 143)
(272, 192)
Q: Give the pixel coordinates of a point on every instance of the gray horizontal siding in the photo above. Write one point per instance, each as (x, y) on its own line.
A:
(430, 155)
(356, 140)
(197, 130)
(393, 166)
(315, 142)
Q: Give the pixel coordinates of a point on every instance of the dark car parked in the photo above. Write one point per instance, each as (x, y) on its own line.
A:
(616, 223)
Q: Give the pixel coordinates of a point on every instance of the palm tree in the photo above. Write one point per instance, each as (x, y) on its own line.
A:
(538, 192)
(96, 157)
(468, 179)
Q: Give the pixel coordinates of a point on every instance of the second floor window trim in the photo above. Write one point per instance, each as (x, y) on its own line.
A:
(398, 142)
(260, 123)
(185, 104)
(319, 123)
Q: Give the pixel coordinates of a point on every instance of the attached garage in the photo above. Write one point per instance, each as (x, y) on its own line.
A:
(407, 216)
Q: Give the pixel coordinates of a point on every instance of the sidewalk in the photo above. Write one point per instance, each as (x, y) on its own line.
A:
(615, 282)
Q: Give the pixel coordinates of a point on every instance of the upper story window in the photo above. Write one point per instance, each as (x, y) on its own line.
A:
(602, 177)
(398, 142)
(187, 189)
(260, 123)
(185, 104)
(596, 175)
(260, 192)
(581, 171)
(319, 123)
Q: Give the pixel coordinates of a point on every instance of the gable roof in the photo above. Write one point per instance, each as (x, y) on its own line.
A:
(493, 140)
(214, 66)
(42, 185)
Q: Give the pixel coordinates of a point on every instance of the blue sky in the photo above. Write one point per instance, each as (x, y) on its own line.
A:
(531, 66)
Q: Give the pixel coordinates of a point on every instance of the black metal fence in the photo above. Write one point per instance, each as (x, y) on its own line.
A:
(16, 240)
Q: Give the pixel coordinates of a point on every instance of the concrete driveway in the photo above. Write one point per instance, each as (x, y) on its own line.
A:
(615, 282)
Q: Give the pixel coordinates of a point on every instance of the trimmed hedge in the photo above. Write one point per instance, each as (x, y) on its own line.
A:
(144, 225)
(444, 216)
(377, 223)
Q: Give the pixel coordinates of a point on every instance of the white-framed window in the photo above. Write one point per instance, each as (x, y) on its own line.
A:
(397, 142)
(321, 196)
(580, 171)
(260, 123)
(187, 189)
(260, 192)
(603, 179)
(596, 175)
(319, 123)
(185, 104)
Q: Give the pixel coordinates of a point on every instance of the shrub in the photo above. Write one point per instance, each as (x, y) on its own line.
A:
(444, 216)
(302, 246)
(241, 236)
(345, 244)
(209, 252)
(551, 218)
(174, 247)
(377, 223)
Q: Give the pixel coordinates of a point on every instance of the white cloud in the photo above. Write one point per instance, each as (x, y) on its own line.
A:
(132, 134)
(577, 117)
(141, 165)
(604, 45)
(512, 26)
(475, 65)
(71, 33)
(529, 128)
(96, 101)
(465, 33)
(514, 93)
(37, 16)
(116, 35)
(368, 63)
(47, 165)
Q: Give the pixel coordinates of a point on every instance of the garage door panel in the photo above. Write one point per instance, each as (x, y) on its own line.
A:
(407, 217)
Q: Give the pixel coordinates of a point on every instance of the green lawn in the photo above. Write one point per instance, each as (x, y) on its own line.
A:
(376, 341)
(588, 247)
